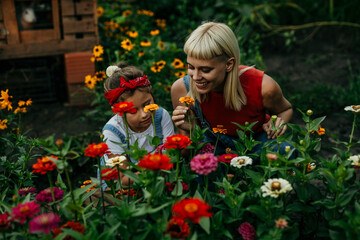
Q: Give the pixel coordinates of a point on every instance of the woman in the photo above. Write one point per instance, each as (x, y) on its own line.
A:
(224, 91)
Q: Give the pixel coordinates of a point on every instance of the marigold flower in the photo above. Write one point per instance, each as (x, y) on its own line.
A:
(28, 102)
(98, 50)
(45, 196)
(177, 63)
(3, 124)
(127, 13)
(321, 130)
(69, 225)
(247, 231)
(154, 32)
(26, 190)
(186, 100)
(352, 108)
(177, 141)
(132, 34)
(219, 129)
(355, 160)
(161, 45)
(100, 75)
(226, 158)
(90, 82)
(178, 228)
(5, 100)
(5, 221)
(20, 110)
(21, 103)
(192, 209)
(204, 163)
(99, 11)
(151, 107)
(180, 74)
(275, 187)
(155, 161)
(141, 53)
(124, 107)
(109, 174)
(88, 182)
(44, 165)
(161, 23)
(145, 43)
(127, 45)
(96, 150)
(25, 211)
(281, 223)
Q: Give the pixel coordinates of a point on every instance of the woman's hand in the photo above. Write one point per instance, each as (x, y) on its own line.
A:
(275, 133)
(179, 118)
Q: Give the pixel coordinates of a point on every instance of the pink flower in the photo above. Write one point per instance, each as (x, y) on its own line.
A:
(247, 231)
(222, 191)
(24, 191)
(204, 163)
(44, 223)
(5, 221)
(160, 148)
(23, 211)
(46, 197)
(281, 223)
(207, 148)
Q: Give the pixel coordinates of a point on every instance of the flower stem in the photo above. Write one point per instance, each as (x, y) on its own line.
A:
(70, 188)
(216, 143)
(206, 186)
(177, 169)
(352, 130)
(51, 186)
(118, 169)
(101, 189)
(153, 122)
(127, 131)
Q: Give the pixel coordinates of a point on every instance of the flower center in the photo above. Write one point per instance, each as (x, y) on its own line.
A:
(122, 105)
(241, 161)
(155, 158)
(24, 209)
(356, 107)
(97, 146)
(44, 220)
(176, 139)
(276, 185)
(191, 207)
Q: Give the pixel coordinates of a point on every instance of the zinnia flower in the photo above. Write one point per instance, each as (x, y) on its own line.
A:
(241, 161)
(44, 223)
(186, 100)
(281, 223)
(109, 174)
(127, 45)
(226, 158)
(247, 231)
(178, 228)
(204, 163)
(118, 160)
(123, 107)
(98, 51)
(192, 209)
(145, 43)
(69, 225)
(127, 192)
(96, 150)
(271, 157)
(155, 161)
(23, 211)
(44, 165)
(154, 32)
(26, 190)
(177, 141)
(5, 221)
(219, 129)
(353, 108)
(46, 197)
(275, 186)
(177, 63)
(355, 160)
(207, 148)
(151, 107)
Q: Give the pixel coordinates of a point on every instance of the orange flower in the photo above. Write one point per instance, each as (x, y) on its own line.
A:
(177, 63)
(96, 150)
(44, 165)
(186, 100)
(141, 53)
(220, 129)
(21, 103)
(98, 51)
(161, 64)
(20, 110)
(151, 107)
(321, 130)
(123, 107)
(90, 82)
(178, 228)
(177, 141)
(132, 34)
(3, 124)
(154, 32)
(109, 174)
(99, 11)
(191, 208)
(100, 75)
(28, 102)
(145, 43)
(127, 45)
(161, 45)
(155, 161)
(161, 23)
(180, 74)
(156, 69)
(127, 13)
(88, 182)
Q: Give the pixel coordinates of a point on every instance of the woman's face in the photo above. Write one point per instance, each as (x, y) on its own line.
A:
(208, 75)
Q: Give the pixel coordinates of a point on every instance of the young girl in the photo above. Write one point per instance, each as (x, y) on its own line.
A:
(128, 84)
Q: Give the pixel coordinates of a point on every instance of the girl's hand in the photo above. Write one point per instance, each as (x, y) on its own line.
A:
(273, 133)
(179, 118)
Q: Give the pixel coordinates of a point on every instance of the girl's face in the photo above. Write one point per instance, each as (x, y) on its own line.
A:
(208, 75)
(140, 121)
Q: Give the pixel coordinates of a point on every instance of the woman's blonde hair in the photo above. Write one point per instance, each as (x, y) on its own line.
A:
(211, 40)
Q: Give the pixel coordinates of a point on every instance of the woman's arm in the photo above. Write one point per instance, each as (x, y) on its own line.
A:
(276, 104)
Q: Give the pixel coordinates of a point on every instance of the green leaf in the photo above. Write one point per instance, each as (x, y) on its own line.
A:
(345, 198)
(178, 189)
(205, 224)
(256, 177)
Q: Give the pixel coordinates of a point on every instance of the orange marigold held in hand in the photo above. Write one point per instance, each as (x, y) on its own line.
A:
(186, 100)
(155, 161)
(123, 107)
(44, 165)
(191, 208)
(178, 228)
(177, 141)
(96, 150)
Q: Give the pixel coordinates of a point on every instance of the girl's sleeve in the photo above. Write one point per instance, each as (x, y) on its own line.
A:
(113, 141)
(167, 124)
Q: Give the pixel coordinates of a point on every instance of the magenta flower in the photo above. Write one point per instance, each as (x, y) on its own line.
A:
(44, 223)
(247, 231)
(26, 190)
(204, 163)
(5, 221)
(207, 148)
(45, 195)
(160, 148)
(23, 211)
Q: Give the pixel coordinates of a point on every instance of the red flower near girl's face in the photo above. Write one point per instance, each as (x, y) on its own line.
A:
(178, 228)
(44, 165)
(96, 150)
(123, 107)
(155, 161)
(177, 141)
(69, 225)
(109, 174)
(191, 208)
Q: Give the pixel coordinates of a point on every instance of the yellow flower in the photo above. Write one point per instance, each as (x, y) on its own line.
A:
(3, 124)
(145, 43)
(141, 53)
(132, 34)
(21, 103)
(161, 64)
(220, 129)
(90, 82)
(187, 100)
(161, 45)
(177, 63)
(154, 32)
(127, 13)
(99, 11)
(5, 96)
(28, 102)
(5, 100)
(151, 107)
(155, 68)
(127, 45)
(20, 110)
(161, 23)
(180, 74)
(98, 50)
(100, 75)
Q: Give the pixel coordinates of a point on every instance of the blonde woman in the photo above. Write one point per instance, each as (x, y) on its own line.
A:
(224, 90)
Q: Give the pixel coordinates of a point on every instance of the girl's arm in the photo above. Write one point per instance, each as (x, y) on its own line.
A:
(276, 104)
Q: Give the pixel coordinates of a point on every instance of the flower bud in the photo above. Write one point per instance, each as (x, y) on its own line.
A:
(14, 198)
(229, 176)
(273, 118)
(246, 123)
(287, 149)
(271, 156)
(228, 150)
(301, 142)
(309, 112)
(59, 142)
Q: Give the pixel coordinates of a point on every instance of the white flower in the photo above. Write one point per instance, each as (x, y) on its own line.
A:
(118, 160)
(355, 160)
(353, 108)
(111, 69)
(275, 186)
(240, 161)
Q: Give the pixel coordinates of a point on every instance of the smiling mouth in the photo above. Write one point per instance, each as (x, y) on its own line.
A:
(201, 84)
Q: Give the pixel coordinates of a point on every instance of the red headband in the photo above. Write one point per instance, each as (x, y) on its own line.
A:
(114, 94)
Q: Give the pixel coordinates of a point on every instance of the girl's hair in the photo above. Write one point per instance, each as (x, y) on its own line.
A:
(211, 40)
(128, 72)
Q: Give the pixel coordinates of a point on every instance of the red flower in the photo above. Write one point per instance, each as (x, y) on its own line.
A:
(226, 158)
(23, 211)
(96, 150)
(44, 165)
(5, 221)
(109, 174)
(72, 225)
(123, 107)
(177, 141)
(128, 192)
(178, 228)
(247, 231)
(170, 186)
(192, 208)
(155, 161)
